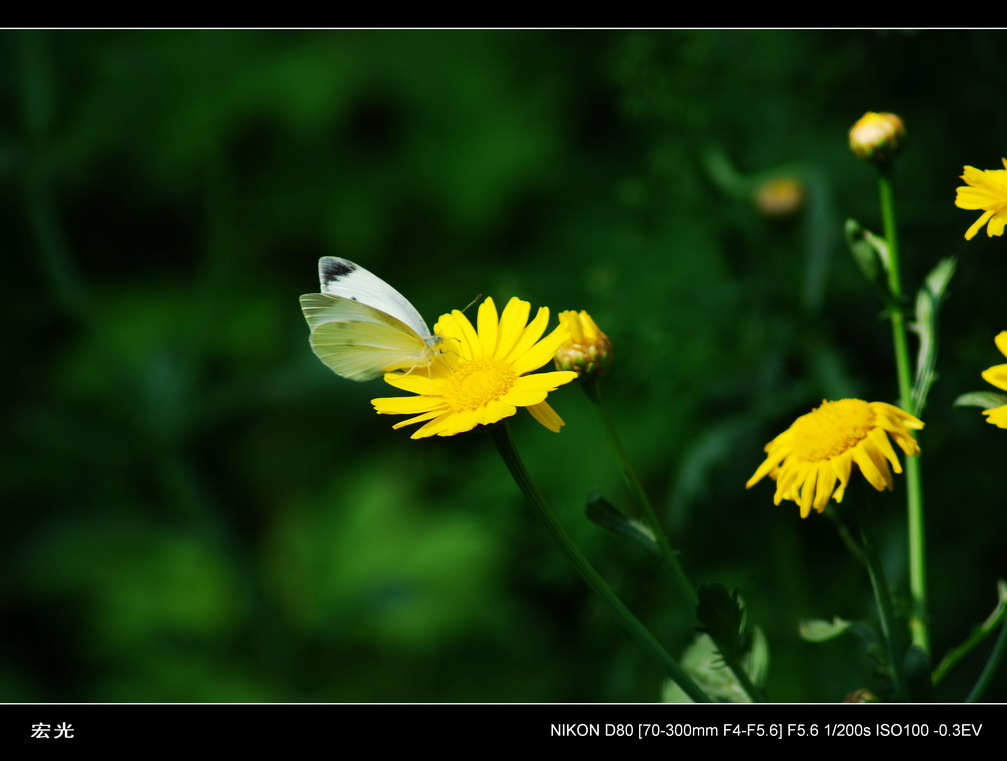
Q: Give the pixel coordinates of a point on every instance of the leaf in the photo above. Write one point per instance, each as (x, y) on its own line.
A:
(611, 518)
(723, 617)
(984, 399)
(703, 662)
(928, 303)
(758, 657)
(818, 630)
(870, 252)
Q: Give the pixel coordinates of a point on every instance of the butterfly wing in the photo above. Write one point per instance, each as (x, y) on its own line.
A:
(358, 341)
(341, 277)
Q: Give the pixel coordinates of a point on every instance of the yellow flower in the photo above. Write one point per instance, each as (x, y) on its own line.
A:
(987, 191)
(820, 448)
(480, 378)
(997, 375)
(877, 137)
(588, 352)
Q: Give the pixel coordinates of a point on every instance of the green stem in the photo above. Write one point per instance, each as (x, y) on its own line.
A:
(593, 390)
(505, 445)
(991, 666)
(881, 595)
(919, 617)
(997, 618)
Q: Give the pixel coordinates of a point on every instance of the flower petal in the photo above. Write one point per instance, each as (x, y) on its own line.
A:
(418, 382)
(869, 469)
(512, 325)
(542, 352)
(774, 458)
(996, 225)
(547, 416)
(458, 334)
(997, 375)
(977, 198)
(884, 446)
(997, 416)
(530, 335)
(407, 405)
(1001, 342)
(489, 327)
(418, 419)
(977, 225)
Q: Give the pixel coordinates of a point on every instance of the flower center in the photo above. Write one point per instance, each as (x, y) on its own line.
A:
(477, 383)
(832, 428)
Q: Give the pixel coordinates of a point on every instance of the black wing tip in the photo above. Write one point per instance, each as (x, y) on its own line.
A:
(332, 269)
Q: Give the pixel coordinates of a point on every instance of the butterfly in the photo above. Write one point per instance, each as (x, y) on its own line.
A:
(361, 327)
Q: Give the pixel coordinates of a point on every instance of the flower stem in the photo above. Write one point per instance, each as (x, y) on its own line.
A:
(919, 617)
(991, 666)
(881, 595)
(505, 445)
(593, 390)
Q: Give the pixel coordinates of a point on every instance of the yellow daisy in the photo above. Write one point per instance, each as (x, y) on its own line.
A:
(480, 378)
(987, 191)
(997, 375)
(820, 448)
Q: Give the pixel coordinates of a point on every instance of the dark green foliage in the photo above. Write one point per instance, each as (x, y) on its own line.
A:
(198, 510)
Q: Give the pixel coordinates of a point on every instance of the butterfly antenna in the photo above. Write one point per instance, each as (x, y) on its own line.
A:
(471, 303)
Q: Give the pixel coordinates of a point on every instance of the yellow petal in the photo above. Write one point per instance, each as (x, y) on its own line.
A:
(997, 375)
(775, 458)
(997, 416)
(512, 325)
(977, 198)
(869, 469)
(458, 334)
(547, 416)
(416, 382)
(977, 225)
(489, 327)
(823, 489)
(530, 336)
(541, 353)
(843, 465)
(1001, 342)
(808, 493)
(417, 419)
(996, 225)
(884, 446)
(406, 405)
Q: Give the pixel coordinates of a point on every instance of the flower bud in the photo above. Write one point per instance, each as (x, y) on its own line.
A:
(861, 696)
(877, 137)
(588, 352)
(780, 198)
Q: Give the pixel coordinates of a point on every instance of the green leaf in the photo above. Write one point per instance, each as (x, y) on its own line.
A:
(703, 662)
(870, 252)
(611, 518)
(984, 399)
(928, 303)
(723, 617)
(818, 630)
(758, 657)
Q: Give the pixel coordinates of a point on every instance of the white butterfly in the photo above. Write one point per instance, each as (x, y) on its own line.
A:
(361, 327)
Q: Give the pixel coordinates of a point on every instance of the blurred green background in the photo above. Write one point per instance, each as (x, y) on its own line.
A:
(198, 510)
